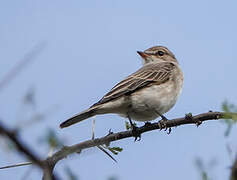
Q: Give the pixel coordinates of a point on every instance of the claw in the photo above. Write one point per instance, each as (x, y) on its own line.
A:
(162, 124)
(137, 137)
(135, 133)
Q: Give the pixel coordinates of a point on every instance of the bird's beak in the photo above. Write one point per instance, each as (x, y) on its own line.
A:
(143, 54)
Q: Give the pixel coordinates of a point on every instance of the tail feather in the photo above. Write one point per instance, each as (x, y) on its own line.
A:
(79, 117)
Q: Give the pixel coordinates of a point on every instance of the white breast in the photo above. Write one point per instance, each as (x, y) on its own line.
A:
(157, 98)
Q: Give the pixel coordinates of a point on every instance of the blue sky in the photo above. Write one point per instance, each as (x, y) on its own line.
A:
(91, 45)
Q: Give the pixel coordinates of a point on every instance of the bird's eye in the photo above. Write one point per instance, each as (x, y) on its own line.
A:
(160, 53)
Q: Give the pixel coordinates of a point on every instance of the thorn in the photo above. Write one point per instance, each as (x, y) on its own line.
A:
(110, 132)
(16, 165)
(103, 150)
(198, 123)
(93, 129)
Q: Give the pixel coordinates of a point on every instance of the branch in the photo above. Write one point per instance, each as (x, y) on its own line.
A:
(234, 171)
(48, 164)
(29, 57)
(188, 119)
(27, 152)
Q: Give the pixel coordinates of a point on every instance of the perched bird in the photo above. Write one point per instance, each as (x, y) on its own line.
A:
(144, 95)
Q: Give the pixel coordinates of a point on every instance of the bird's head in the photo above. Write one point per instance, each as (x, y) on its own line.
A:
(157, 54)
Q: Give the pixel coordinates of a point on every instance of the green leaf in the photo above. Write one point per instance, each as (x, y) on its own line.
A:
(115, 150)
(51, 139)
(119, 149)
(228, 107)
(229, 119)
(204, 176)
(127, 125)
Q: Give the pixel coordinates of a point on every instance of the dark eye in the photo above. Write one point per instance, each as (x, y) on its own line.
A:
(160, 53)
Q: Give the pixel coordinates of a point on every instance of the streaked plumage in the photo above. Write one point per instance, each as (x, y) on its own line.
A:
(152, 73)
(153, 88)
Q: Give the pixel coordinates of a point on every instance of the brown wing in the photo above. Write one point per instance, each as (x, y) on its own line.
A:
(150, 73)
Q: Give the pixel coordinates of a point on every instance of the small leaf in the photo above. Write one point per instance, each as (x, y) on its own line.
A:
(229, 119)
(228, 107)
(52, 139)
(127, 125)
(103, 149)
(115, 150)
(188, 116)
(204, 176)
(119, 149)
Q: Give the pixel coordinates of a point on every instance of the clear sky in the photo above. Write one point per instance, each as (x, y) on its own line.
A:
(91, 45)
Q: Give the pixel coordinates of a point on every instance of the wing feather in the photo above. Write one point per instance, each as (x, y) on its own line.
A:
(151, 73)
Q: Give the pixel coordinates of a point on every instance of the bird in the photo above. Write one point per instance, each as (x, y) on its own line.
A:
(144, 95)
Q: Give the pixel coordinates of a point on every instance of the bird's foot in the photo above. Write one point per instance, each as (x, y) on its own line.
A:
(147, 124)
(162, 124)
(136, 134)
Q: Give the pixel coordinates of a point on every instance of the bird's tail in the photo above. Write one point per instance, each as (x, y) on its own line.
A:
(79, 117)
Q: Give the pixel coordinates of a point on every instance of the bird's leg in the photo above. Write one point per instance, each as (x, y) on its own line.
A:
(135, 133)
(162, 122)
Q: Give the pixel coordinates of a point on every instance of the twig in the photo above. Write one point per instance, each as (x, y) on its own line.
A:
(19, 145)
(16, 165)
(93, 129)
(188, 119)
(107, 153)
(27, 152)
(29, 57)
(100, 147)
(50, 162)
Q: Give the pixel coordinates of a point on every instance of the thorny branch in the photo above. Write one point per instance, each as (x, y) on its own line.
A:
(29, 57)
(51, 161)
(27, 152)
(188, 119)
